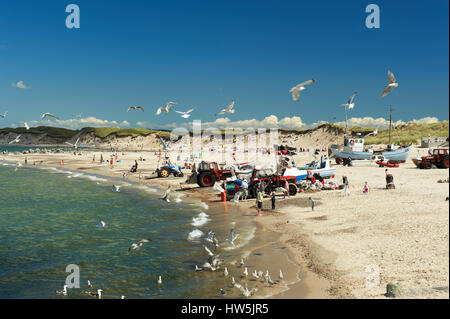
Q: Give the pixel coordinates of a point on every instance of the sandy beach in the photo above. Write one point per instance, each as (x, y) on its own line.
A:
(401, 234)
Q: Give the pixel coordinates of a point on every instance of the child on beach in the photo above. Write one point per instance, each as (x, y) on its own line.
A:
(273, 200)
(259, 199)
(366, 188)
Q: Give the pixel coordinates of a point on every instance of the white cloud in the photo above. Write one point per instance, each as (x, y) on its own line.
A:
(78, 123)
(383, 123)
(20, 85)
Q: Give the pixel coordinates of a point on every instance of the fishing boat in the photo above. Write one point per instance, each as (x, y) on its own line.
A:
(321, 168)
(353, 149)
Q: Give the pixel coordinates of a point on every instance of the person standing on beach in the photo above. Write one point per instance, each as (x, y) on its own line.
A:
(62, 164)
(273, 200)
(346, 186)
(101, 158)
(259, 200)
(112, 163)
(244, 189)
(313, 203)
(93, 159)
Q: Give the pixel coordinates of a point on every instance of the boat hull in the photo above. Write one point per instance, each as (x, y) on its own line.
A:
(301, 174)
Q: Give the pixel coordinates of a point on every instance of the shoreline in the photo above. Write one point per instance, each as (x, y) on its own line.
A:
(304, 284)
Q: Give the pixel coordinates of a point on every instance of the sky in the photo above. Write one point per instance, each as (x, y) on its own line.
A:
(203, 54)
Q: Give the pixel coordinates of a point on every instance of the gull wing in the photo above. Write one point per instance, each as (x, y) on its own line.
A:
(305, 83)
(179, 112)
(158, 111)
(230, 106)
(131, 108)
(169, 105)
(190, 110)
(387, 91)
(350, 100)
(140, 108)
(391, 77)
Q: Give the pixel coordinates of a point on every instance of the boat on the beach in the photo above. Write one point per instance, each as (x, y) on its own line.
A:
(321, 168)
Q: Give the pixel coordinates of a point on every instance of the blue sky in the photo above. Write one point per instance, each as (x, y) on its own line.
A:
(204, 53)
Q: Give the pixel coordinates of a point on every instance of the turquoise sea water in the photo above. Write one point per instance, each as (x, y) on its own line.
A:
(48, 220)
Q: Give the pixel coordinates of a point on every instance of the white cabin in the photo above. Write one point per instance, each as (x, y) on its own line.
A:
(356, 143)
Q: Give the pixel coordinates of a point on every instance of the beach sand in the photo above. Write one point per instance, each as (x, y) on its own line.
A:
(403, 233)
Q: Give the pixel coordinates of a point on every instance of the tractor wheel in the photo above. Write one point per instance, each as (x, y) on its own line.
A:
(444, 162)
(338, 160)
(428, 165)
(164, 172)
(206, 179)
(292, 189)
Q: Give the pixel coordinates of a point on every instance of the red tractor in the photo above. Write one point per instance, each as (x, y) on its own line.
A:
(208, 173)
(270, 182)
(439, 158)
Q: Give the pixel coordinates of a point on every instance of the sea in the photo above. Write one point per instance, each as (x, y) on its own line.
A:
(49, 220)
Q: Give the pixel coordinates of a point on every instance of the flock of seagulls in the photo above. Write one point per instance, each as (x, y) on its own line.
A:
(214, 262)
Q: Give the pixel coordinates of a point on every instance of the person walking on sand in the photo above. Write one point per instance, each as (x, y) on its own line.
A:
(259, 200)
(346, 186)
(244, 189)
(273, 200)
(112, 163)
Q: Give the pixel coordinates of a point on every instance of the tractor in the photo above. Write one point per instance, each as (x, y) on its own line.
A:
(439, 158)
(208, 173)
(168, 169)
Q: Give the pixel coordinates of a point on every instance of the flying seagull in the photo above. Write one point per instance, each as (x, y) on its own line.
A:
(391, 84)
(232, 237)
(373, 133)
(135, 108)
(16, 140)
(75, 145)
(300, 87)
(135, 246)
(166, 146)
(116, 188)
(3, 115)
(165, 109)
(229, 109)
(166, 195)
(350, 103)
(49, 115)
(186, 114)
(26, 125)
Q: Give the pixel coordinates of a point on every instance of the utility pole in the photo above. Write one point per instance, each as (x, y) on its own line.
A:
(390, 125)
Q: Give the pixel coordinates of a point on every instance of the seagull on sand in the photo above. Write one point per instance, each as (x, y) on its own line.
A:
(241, 263)
(3, 115)
(392, 84)
(233, 282)
(232, 237)
(166, 195)
(248, 293)
(229, 109)
(245, 273)
(135, 108)
(207, 265)
(350, 103)
(255, 274)
(222, 292)
(49, 115)
(26, 125)
(62, 292)
(281, 275)
(270, 281)
(97, 294)
(159, 281)
(300, 87)
(165, 109)
(16, 140)
(186, 114)
(135, 246)
(225, 272)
